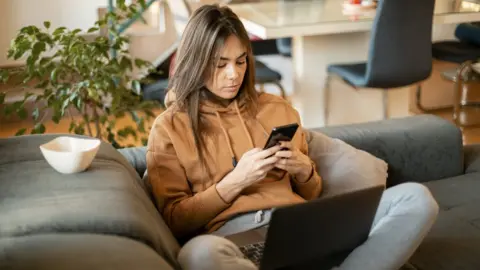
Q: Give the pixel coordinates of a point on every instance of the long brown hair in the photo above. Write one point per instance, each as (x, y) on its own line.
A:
(196, 58)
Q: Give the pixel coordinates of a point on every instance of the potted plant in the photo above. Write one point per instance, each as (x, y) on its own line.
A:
(89, 81)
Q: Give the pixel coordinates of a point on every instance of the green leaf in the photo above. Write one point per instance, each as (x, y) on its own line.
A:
(35, 114)
(39, 128)
(141, 63)
(136, 86)
(92, 29)
(30, 30)
(72, 127)
(2, 98)
(78, 103)
(101, 22)
(133, 10)
(10, 53)
(38, 48)
(65, 104)
(126, 63)
(21, 132)
(56, 118)
(103, 119)
(59, 30)
(127, 131)
(22, 113)
(120, 4)
(17, 105)
(8, 109)
(53, 75)
(45, 38)
(144, 141)
(80, 130)
(46, 24)
(76, 31)
(4, 75)
(143, 4)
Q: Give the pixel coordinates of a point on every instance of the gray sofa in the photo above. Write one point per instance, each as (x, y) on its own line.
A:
(104, 218)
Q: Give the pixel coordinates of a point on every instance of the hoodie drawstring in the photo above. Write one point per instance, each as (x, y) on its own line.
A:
(230, 148)
(225, 133)
(243, 125)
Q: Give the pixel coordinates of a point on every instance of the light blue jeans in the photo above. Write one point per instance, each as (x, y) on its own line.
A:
(405, 215)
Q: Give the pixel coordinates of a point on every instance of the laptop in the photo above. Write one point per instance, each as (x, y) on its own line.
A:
(318, 234)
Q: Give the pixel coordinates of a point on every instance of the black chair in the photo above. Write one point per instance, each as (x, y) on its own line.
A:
(265, 75)
(400, 52)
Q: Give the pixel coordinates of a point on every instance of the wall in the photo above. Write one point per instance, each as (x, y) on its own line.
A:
(15, 14)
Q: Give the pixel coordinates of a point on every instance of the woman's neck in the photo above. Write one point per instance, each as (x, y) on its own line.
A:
(218, 100)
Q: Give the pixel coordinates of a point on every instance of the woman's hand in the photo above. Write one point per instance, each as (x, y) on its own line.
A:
(252, 168)
(294, 162)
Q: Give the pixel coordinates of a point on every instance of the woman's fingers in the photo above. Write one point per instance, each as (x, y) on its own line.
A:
(284, 154)
(281, 166)
(268, 161)
(287, 145)
(266, 153)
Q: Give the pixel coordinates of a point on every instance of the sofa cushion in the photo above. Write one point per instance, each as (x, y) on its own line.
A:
(77, 252)
(417, 148)
(452, 243)
(454, 240)
(107, 198)
(342, 167)
(455, 191)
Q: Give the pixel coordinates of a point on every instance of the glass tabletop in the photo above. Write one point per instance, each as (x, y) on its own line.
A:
(280, 13)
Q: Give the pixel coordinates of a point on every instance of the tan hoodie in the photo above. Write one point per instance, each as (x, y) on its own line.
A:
(177, 178)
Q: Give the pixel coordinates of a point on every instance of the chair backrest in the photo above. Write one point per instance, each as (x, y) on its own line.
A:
(400, 50)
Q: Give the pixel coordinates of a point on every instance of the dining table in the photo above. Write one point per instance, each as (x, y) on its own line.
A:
(324, 32)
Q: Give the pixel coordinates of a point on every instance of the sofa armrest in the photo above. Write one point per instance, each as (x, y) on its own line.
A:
(472, 158)
(417, 148)
(75, 251)
(105, 199)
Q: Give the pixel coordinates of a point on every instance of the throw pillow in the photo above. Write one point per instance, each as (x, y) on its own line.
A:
(342, 167)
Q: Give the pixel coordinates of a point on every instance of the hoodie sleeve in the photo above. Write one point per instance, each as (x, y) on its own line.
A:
(311, 188)
(183, 211)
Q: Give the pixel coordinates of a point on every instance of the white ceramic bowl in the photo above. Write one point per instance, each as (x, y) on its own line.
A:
(70, 155)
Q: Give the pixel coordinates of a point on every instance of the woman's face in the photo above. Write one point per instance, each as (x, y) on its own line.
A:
(227, 76)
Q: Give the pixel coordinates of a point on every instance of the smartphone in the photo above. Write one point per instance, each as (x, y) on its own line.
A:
(281, 134)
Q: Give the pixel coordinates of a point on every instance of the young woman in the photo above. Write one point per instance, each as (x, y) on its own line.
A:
(210, 176)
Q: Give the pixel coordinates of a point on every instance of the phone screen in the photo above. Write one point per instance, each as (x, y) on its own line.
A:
(281, 133)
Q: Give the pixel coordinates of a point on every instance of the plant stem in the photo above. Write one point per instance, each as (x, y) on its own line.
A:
(71, 114)
(45, 114)
(97, 123)
(85, 118)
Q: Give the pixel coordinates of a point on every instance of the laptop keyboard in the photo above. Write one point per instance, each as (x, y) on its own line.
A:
(253, 252)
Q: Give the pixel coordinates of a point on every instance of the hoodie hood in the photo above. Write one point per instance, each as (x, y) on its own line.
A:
(238, 108)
